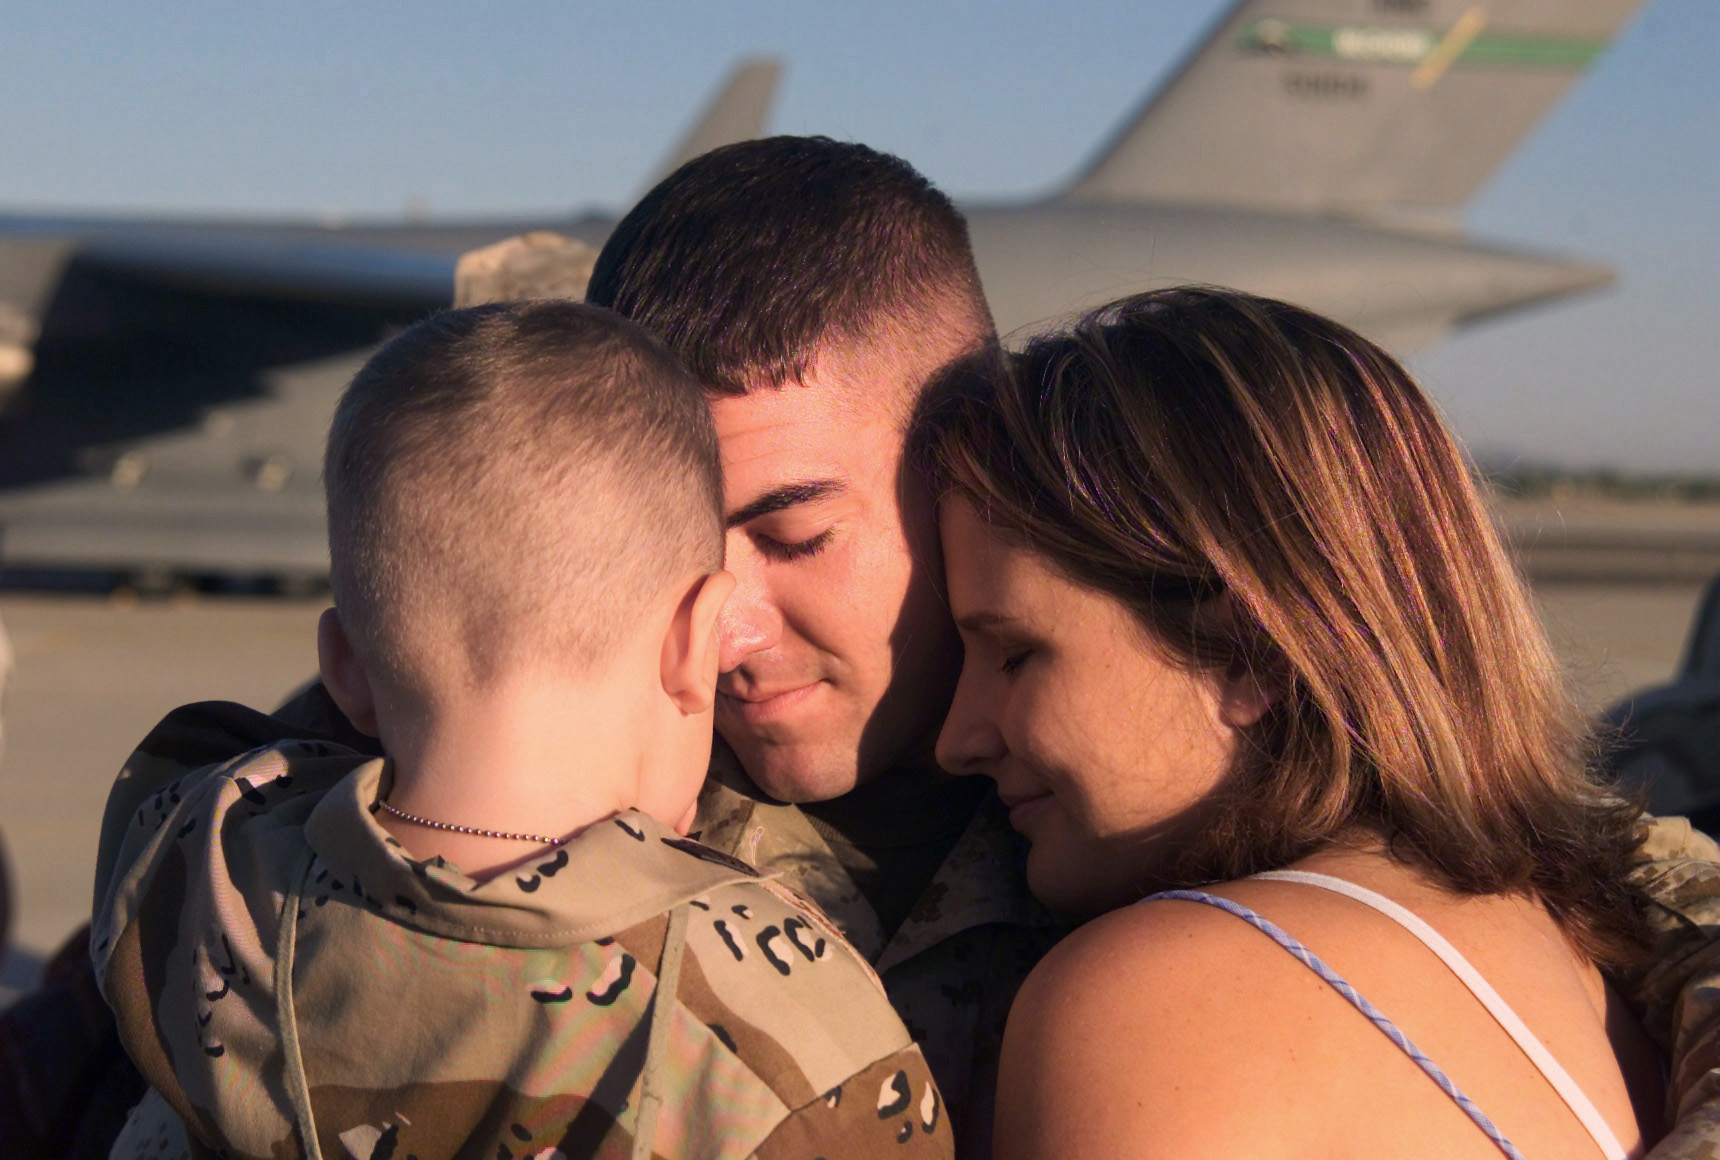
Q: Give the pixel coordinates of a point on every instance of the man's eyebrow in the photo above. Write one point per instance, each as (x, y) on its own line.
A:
(786, 496)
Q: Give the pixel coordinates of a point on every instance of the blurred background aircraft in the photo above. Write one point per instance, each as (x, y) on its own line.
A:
(172, 377)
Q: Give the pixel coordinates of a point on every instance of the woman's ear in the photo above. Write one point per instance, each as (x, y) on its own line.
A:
(1250, 684)
(690, 651)
(1246, 692)
(342, 675)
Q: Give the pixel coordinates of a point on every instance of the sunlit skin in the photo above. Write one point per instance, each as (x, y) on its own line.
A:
(838, 654)
(558, 743)
(1102, 749)
(1146, 1033)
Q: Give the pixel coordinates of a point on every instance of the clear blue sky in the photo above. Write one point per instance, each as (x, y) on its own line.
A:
(358, 108)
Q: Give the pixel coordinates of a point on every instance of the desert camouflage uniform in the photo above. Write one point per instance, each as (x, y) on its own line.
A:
(1677, 995)
(254, 914)
(953, 968)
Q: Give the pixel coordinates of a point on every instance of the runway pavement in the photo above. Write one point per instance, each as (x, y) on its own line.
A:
(94, 674)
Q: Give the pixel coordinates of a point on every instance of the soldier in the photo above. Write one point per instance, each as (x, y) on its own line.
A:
(815, 287)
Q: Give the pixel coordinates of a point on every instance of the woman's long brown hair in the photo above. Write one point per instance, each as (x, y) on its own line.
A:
(1184, 443)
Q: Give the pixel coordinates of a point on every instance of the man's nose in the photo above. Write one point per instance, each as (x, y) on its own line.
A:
(749, 623)
(970, 741)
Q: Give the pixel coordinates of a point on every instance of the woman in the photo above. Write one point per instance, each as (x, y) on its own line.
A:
(1231, 604)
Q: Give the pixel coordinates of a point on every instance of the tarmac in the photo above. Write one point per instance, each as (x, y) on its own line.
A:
(94, 673)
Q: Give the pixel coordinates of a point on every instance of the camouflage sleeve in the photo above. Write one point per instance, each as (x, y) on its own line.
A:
(890, 1109)
(1677, 995)
(209, 733)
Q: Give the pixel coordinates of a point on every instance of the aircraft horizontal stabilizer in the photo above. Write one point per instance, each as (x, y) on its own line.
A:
(1366, 107)
(737, 113)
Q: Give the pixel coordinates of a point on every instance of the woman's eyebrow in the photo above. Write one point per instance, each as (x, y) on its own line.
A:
(786, 496)
(980, 621)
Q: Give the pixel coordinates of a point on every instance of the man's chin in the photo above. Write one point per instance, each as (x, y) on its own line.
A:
(795, 774)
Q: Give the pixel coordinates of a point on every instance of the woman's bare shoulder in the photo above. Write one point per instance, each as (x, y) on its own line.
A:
(1174, 943)
(1139, 1035)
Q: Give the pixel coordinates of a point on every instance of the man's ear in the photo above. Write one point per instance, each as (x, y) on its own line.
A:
(342, 675)
(690, 651)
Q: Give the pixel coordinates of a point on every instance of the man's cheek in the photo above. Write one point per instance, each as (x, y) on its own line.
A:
(857, 576)
(886, 569)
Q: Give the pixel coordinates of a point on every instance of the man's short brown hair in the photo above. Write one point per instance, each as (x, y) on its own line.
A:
(514, 482)
(748, 259)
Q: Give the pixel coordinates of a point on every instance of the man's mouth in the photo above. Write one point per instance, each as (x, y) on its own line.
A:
(760, 706)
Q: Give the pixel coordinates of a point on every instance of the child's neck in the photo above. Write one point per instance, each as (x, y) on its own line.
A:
(539, 758)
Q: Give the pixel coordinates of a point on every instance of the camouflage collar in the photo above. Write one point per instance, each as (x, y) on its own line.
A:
(609, 877)
(780, 840)
(978, 883)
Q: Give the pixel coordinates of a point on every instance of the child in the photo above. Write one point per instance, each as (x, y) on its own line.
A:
(496, 942)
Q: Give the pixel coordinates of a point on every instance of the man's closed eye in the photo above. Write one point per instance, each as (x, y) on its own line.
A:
(797, 550)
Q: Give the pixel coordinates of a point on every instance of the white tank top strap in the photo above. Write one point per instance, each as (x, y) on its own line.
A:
(1580, 1104)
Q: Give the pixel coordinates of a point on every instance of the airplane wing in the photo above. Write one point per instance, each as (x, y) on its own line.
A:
(165, 385)
(1366, 107)
(737, 113)
(63, 279)
(266, 267)
(48, 264)
(123, 334)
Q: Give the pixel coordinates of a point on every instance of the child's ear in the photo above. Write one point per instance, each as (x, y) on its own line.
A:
(342, 675)
(690, 652)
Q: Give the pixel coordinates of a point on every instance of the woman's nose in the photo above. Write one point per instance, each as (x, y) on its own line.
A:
(970, 740)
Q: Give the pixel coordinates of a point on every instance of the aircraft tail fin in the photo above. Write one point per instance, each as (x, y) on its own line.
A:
(736, 113)
(1359, 107)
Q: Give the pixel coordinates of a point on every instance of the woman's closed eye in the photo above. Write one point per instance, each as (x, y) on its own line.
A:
(1013, 659)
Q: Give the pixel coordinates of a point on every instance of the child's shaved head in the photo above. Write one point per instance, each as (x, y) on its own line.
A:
(514, 483)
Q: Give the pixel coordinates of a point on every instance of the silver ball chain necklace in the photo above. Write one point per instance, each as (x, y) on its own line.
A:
(416, 820)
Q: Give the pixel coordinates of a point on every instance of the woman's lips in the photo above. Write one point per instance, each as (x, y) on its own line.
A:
(1023, 810)
(771, 706)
